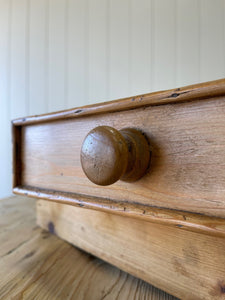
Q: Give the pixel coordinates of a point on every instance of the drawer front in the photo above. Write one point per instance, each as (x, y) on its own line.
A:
(187, 140)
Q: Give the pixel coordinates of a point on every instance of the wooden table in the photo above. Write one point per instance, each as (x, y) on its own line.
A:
(35, 264)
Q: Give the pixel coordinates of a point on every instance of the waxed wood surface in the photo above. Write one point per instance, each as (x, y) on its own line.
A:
(35, 264)
(188, 153)
(186, 264)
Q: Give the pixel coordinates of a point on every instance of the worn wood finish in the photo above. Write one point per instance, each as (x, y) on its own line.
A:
(186, 264)
(188, 93)
(37, 265)
(157, 223)
(187, 140)
(108, 155)
(187, 221)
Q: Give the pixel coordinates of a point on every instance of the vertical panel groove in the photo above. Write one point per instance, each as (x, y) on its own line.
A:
(108, 53)
(27, 57)
(97, 50)
(66, 54)
(86, 50)
(119, 49)
(9, 106)
(224, 33)
(9, 60)
(129, 54)
(152, 38)
(175, 42)
(199, 37)
(187, 36)
(47, 56)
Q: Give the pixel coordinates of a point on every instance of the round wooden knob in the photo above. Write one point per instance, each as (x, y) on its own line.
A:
(108, 155)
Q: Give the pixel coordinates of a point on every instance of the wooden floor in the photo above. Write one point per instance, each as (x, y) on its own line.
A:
(35, 264)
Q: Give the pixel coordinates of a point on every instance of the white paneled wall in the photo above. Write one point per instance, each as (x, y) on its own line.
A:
(56, 54)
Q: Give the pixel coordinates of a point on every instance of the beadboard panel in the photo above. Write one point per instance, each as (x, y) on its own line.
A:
(38, 63)
(164, 44)
(188, 39)
(58, 54)
(77, 49)
(5, 134)
(19, 58)
(212, 26)
(57, 25)
(97, 50)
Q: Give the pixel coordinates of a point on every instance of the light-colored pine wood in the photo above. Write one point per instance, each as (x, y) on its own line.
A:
(187, 221)
(199, 91)
(187, 141)
(37, 265)
(188, 265)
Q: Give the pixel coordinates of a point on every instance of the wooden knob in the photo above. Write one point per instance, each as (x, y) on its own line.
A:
(108, 155)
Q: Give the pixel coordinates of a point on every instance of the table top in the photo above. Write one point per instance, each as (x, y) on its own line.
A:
(35, 264)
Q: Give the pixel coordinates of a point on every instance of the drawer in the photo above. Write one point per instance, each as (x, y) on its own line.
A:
(185, 128)
(166, 225)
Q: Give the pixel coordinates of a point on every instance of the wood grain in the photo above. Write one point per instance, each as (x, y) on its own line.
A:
(37, 265)
(202, 91)
(186, 264)
(186, 221)
(108, 155)
(188, 153)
